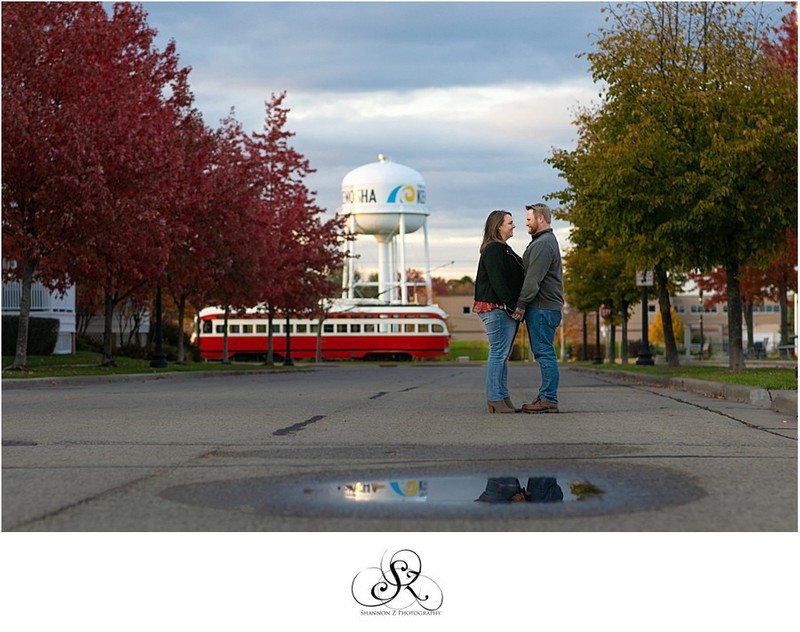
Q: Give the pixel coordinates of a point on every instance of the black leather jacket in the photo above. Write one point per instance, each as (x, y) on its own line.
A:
(500, 275)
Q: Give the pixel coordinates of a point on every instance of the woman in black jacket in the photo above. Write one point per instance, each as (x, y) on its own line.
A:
(497, 286)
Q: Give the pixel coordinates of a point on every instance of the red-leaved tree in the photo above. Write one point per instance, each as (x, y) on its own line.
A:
(90, 113)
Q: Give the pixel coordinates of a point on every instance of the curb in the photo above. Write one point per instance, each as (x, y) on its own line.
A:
(43, 382)
(781, 401)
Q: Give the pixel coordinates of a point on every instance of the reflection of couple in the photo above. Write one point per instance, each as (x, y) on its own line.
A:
(505, 489)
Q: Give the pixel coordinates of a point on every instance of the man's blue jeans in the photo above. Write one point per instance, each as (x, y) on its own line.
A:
(542, 325)
(501, 330)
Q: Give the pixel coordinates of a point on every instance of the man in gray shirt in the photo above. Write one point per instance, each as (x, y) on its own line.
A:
(540, 303)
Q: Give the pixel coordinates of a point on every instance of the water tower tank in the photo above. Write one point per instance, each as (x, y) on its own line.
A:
(387, 200)
(377, 194)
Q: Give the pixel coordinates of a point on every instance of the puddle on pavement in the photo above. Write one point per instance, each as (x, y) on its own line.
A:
(602, 488)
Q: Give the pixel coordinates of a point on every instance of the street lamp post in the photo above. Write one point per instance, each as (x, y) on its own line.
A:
(585, 352)
(159, 358)
(645, 357)
(702, 309)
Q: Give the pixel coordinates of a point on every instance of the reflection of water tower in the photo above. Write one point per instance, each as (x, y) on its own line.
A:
(387, 200)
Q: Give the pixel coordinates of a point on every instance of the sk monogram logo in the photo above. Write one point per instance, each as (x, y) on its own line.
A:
(397, 585)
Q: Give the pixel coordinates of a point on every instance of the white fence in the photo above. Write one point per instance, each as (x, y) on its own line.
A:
(41, 299)
(46, 304)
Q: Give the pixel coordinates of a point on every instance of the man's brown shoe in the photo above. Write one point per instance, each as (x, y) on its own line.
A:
(540, 406)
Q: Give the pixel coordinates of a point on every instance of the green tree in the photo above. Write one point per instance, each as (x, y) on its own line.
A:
(690, 159)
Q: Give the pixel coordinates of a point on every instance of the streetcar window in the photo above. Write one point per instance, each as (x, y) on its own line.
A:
(301, 328)
(313, 328)
(327, 328)
(424, 328)
(437, 329)
(220, 329)
(247, 329)
(341, 328)
(234, 329)
(408, 328)
(276, 329)
(261, 329)
(355, 328)
(369, 328)
(290, 329)
(207, 327)
(384, 328)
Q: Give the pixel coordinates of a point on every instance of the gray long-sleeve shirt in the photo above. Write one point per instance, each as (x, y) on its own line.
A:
(543, 286)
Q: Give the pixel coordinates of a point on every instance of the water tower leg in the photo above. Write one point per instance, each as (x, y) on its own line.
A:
(428, 282)
(403, 275)
(383, 268)
(393, 293)
(349, 272)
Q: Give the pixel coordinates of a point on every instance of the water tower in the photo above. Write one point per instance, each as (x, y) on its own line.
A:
(387, 200)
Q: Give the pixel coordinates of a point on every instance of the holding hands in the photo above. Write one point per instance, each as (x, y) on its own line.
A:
(518, 314)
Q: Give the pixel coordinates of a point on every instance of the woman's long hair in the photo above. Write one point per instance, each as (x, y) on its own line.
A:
(491, 230)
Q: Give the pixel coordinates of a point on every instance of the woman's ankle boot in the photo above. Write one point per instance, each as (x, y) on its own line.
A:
(499, 407)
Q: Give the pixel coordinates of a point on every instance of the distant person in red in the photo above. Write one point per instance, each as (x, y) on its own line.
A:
(497, 286)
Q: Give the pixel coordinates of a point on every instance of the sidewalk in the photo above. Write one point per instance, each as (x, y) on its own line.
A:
(778, 400)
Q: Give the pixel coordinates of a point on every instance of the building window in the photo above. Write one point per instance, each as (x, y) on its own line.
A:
(466, 310)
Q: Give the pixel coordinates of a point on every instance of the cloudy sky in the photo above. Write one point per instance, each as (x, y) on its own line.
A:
(473, 95)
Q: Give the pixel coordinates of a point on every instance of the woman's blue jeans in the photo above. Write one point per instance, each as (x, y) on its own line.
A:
(501, 330)
(542, 325)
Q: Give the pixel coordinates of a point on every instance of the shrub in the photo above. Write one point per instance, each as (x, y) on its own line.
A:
(42, 335)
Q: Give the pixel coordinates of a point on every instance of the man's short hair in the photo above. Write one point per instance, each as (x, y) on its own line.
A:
(541, 209)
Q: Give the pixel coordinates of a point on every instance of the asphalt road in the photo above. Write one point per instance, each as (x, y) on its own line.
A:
(279, 452)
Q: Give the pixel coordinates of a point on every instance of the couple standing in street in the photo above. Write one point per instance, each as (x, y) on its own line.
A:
(509, 289)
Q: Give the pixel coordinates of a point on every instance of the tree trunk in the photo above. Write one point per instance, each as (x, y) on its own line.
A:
(198, 328)
(735, 353)
(270, 343)
(21, 354)
(181, 353)
(318, 357)
(624, 350)
(225, 359)
(784, 302)
(665, 307)
(612, 351)
(108, 333)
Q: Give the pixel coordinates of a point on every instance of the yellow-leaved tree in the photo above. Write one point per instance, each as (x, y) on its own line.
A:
(656, 329)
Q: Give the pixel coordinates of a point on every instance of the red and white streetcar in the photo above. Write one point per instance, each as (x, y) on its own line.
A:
(361, 329)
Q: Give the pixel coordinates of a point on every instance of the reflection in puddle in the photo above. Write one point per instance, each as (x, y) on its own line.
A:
(449, 490)
(540, 492)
